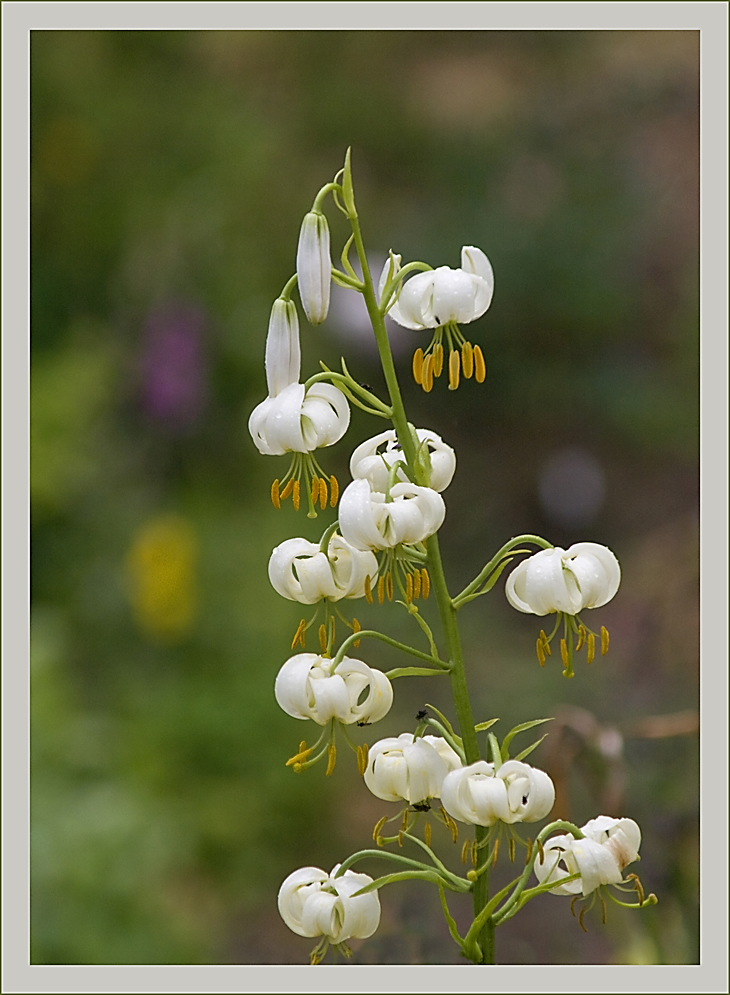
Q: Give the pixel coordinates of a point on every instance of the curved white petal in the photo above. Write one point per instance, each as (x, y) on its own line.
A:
(358, 676)
(296, 889)
(409, 769)
(368, 463)
(597, 571)
(557, 862)
(585, 576)
(530, 792)
(350, 567)
(413, 308)
(357, 517)
(295, 422)
(474, 795)
(360, 914)
(291, 688)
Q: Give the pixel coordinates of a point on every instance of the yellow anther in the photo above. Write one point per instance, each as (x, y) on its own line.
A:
(368, 592)
(295, 495)
(362, 757)
(541, 851)
(381, 590)
(474, 853)
(299, 634)
(581, 638)
(356, 627)
(425, 582)
(604, 640)
(545, 643)
(288, 488)
(540, 651)
(334, 491)
(400, 839)
(404, 821)
(409, 588)
(427, 834)
(465, 851)
(454, 367)
(512, 850)
(467, 360)
(480, 367)
(418, 366)
(450, 824)
(389, 586)
(564, 651)
(302, 745)
(416, 584)
(323, 637)
(495, 852)
(378, 826)
(298, 758)
(637, 887)
(591, 647)
(438, 359)
(331, 759)
(275, 499)
(427, 381)
(322, 493)
(529, 851)
(315, 489)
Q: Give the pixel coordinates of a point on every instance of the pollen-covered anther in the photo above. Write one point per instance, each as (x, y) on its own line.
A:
(378, 826)
(604, 640)
(541, 851)
(427, 376)
(637, 887)
(315, 489)
(418, 366)
(454, 369)
(438, 359)
(591, 652)
(295, 495)
(368, 592)
(288, 488)
(427, 834)
(467, 360)
(389, 586)
(529, 851)
(299, 758)
(275, 498)
(540, 651)
(356, 627)
(323, 637)
(480, 367)
(409, 588)
(495, 852)
(564, 652)
(425, 583)
(331, 759)
(322, 493)
(381, 590)
(400, 838)
(299, 634)
(581, 638)
(474, 853)
(362, 758)
(416, 584)
(334, 491)
(580, 919)
(512, 850)
(545, 643)
(465, 851)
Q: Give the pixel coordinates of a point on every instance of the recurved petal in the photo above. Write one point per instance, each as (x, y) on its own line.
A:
(387, 775)
(558, 863)
(413, 309)
(361, 914)
(282, 575)
(293, 894)
(597, 570)
(315, 578)
(257, 427)
(357, 516)
(283, 429)
(320, 918)
(291, 686)
(596, 863)
(331, 698)
(453, 296)
(426, 771)
(325, 415)
(350, 567)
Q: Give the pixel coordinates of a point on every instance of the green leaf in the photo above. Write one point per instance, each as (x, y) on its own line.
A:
(482, 726)
(450, 922)
(528, 751)
(520, 728)
(494, 577)
(496, 754)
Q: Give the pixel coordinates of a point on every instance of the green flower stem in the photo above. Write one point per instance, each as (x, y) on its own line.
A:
(446, 607)
(484, 574)
(413, 672)
(383, 855)
(291, 283)
(319, 199)
(374, 634)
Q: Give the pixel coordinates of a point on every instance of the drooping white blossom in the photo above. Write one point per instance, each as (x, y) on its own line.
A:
(480, 796)
(609, 846)
(314, 903)
(369, 521)
(408, 769)
(314, 267)
(586, 575)
(307, 687)
(443, 295)
(372, 462)
(300, 571)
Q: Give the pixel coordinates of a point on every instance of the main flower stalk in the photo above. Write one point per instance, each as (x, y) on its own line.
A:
(447, 611)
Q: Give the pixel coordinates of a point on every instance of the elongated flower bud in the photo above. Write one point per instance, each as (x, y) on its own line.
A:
(314, 267)
(283, 355)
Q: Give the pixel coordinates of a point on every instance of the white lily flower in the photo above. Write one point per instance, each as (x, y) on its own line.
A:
(299, 422)
(609, 846)
(314, 903)
(307, 687)
(367, 463)
(299, 571)
(438, 297)
(517, 792)
(314, 267)
(586, 575)
(368, 521)
(408, 769)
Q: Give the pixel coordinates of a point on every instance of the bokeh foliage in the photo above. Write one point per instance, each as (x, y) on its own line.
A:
(170, 171)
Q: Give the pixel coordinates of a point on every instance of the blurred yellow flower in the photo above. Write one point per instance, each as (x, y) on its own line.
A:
(162, 565)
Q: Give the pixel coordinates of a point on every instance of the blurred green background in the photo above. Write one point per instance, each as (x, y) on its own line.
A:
(170, 172)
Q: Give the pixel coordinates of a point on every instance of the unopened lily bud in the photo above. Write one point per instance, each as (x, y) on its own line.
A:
(314, 267)
(283, 355)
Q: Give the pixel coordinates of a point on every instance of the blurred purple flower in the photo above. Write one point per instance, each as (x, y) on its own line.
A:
(173, 364)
